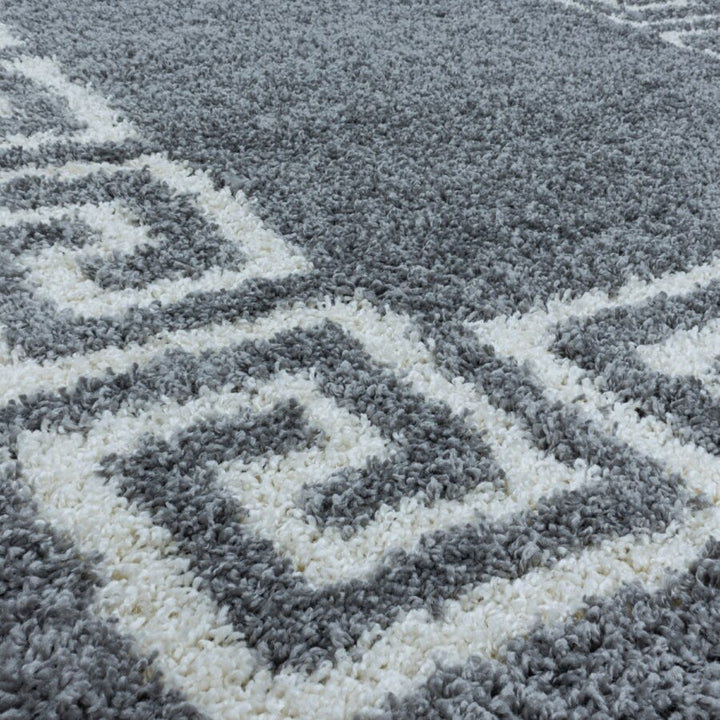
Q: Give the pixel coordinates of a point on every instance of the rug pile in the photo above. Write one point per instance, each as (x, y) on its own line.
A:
(360, 360)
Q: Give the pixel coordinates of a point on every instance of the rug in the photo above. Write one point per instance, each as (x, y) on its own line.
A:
(360, 359)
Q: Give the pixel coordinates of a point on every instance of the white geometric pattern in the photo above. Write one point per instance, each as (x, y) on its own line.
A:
(152, 592)
(146, 575)
(675, 21)
(102, 123)
(56, 270)
(528, 339)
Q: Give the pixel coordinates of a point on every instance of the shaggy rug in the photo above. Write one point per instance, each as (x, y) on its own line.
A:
(360, 359)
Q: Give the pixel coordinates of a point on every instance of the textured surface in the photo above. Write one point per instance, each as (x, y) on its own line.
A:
(359, 360)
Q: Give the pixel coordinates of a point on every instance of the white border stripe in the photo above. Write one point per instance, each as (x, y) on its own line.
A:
(675, 37)
(486, 618)
(669, 35)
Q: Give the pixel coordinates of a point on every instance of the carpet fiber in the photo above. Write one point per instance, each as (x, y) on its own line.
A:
(360, 359)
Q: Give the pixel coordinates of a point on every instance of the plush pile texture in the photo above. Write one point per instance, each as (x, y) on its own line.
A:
(360, 359)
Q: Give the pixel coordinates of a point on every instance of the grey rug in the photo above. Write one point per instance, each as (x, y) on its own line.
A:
(360, 359)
